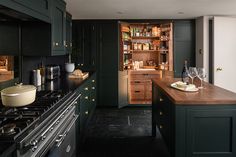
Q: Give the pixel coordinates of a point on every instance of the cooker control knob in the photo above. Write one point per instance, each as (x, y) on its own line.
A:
(51, 128)
(43, 137)
(34, 143)
(34, 148)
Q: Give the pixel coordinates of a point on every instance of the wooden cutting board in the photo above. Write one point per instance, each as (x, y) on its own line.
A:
(83, 76)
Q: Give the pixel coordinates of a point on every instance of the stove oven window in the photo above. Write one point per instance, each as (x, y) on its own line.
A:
(8, 68)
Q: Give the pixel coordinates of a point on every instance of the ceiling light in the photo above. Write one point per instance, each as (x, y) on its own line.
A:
(119, 12)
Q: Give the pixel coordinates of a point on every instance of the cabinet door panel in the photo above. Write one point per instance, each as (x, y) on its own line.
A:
(68, 33)
(211, 133)
(58, 28)
(9, 38)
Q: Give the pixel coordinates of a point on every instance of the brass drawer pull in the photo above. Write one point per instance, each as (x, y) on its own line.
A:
(137, 82)
(137, 91)
(161, 100)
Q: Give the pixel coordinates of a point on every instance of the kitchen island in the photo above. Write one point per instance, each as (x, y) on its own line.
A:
(196, 124)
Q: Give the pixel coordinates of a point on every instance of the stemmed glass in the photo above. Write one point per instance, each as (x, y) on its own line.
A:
(192, 73)
(201, 75)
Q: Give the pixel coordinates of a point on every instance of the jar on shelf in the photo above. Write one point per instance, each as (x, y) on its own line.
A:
(146, 46)
(140, 46)
(135, 46)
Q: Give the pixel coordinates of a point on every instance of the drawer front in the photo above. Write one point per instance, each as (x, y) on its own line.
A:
(137, 95)
(137, 77)
(137, 88)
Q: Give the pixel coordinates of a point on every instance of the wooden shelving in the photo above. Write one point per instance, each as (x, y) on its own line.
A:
(149, 40)
(145, 51)
(145, 37)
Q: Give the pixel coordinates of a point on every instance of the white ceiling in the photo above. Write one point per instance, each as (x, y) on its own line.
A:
(149, 9)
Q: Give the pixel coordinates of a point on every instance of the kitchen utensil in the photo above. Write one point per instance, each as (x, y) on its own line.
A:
(18, 95)
(69, 67)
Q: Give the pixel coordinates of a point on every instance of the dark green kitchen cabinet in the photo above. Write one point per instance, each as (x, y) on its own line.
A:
(58, 15)
(68, 33)
(194, 130)
(87, 92)
(85, 44)
(184, 44)
(108, 64)
(37, 9)
(95, 47)
(47, 39)
(9, 38)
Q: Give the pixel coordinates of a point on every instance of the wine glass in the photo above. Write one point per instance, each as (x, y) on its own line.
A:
(201, 75)
(192, 73)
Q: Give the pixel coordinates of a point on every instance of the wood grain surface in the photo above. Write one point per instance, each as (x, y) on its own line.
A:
(210, 94)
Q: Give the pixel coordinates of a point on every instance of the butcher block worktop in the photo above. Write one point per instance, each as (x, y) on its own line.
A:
(209, 95)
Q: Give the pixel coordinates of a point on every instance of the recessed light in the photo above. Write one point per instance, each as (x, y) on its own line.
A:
(180, 12)
(119, 12)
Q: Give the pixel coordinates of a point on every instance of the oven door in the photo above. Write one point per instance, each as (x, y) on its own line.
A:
(65, 143)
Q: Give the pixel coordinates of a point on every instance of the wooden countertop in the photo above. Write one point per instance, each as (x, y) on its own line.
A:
(210, 95)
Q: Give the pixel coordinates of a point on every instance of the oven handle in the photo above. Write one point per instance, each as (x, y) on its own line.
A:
(61, 137)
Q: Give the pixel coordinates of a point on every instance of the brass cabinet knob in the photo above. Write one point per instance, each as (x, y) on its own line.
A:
(161, 127)
(86, 97)
(86, 112)
(93, 80)
(82, 64)
(93, 100)
(86, 88)
(93, 87)
(161, 100)
(56, 44)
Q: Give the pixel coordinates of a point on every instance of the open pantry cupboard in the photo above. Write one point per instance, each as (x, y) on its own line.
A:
(146, 49)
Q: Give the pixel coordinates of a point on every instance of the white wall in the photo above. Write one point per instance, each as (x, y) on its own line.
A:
(202, 43)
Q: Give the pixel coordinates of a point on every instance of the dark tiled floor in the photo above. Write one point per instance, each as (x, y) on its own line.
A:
(122, 133)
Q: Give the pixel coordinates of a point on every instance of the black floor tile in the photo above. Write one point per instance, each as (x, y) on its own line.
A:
(122, 133)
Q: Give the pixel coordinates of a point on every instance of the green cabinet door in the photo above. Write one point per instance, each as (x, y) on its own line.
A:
(85, 37)
(108, 64)
(9, 38)
(211, 132)
(58, 16)
(68, 33)
(184, 45)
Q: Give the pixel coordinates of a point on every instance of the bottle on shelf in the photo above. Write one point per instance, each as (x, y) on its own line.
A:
(184, 75)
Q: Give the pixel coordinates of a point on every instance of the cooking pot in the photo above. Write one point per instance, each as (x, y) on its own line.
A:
(18, 95)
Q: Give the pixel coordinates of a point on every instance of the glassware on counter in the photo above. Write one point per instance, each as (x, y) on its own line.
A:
(192, 73)
(201, 75)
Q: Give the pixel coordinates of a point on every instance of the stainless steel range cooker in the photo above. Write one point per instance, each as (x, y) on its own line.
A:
(45, 128)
